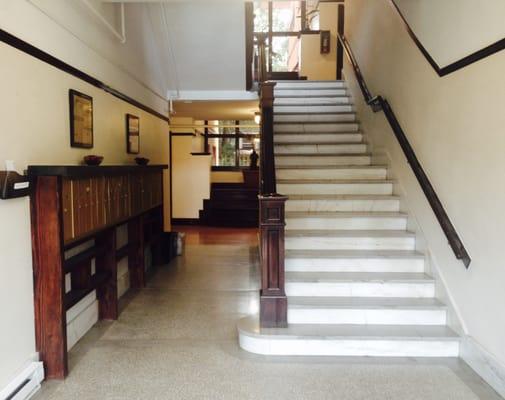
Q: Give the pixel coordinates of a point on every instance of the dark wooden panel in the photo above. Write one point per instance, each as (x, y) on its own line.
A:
(273, 300)
(136, 257)
(47, 245)
(106, 264)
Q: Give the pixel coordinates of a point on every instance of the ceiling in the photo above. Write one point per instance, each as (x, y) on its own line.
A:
(212, 110)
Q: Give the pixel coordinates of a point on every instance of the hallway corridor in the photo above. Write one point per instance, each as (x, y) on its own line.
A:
(176, 339)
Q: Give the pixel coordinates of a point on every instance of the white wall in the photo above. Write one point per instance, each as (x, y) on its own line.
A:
(455, 125)
(314, 65)
(209, 48)
(35, 130)
(453, 29)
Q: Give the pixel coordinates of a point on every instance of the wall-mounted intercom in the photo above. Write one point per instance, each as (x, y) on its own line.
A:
(13, 185)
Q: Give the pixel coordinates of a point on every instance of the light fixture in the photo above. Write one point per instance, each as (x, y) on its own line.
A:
(257, 118)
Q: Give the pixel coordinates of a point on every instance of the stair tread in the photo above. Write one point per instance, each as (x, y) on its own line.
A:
(347, 277)
(365, 302)
(325, 181)
(250, 326)
(315, 123)
(337, 254)
(348, 233)
(323, 155)
(324, 167)
(320, 133)
(343, 197)
(320, 144)
(345, 214)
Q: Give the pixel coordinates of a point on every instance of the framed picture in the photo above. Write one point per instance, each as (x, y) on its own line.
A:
(132, 134)
(81, 119)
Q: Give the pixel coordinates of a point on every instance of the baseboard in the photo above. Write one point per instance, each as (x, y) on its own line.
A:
(185, 221)
(484, 364)
(26, 384)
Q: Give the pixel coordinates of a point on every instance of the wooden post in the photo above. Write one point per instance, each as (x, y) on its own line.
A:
(49, 277)
(273, 300)
(340, 48)
(106, 263)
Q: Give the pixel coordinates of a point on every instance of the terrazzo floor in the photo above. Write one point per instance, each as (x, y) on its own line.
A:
(176, 339)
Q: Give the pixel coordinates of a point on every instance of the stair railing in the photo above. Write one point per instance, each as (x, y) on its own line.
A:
(273, 300)
(378, 103)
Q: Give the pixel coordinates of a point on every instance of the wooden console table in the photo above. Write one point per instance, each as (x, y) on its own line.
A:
(72, 205)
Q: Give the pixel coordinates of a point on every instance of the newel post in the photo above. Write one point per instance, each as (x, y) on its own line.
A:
(273, 300)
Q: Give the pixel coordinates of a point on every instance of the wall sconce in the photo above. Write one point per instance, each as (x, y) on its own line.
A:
(257, 118)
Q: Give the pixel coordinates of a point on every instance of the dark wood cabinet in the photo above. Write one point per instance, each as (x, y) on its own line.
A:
(72, 205)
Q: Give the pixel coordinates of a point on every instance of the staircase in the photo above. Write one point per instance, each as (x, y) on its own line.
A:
(355, 283)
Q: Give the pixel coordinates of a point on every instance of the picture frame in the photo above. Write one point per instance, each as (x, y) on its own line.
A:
(132, 134)
(81, 119)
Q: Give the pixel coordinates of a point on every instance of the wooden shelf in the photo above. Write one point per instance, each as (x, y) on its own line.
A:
(78, 260)
(82, 171)
(76, 295)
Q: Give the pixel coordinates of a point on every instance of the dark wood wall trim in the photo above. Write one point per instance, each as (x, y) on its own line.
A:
(377, 104)
(182, 134)
(457, 65)
(41, 55)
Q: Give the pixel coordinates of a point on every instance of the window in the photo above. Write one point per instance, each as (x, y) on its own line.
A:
(280, 23)
(231, 143)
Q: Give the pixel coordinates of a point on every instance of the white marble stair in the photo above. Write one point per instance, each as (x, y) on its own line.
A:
(320, 138)
(335, 186)
(355, 281)
(282, 160)
(348, 340)
(359, 284)
(332, 172)
(315, 117)
(299, 220)
(319, 148)
(366, 310)
(406, 261)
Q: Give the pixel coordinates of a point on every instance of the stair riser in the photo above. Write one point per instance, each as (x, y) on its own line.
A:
(351, 223)
(335, 188)
(320, 149)
(344, 347)
(304, 118)
(342, 205)
(314, 160)
(309, 85)
(278, 93)
(313, 109)
(367, 316)
(311, 101)
(354, 265)
(361, 289)
(318, 138)
(350, 243)
(314, 128)
(360, 173)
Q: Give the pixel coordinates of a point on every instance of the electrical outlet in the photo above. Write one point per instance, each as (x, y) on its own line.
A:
(9, 165)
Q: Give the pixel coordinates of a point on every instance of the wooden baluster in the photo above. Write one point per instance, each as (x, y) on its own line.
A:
(268, 185)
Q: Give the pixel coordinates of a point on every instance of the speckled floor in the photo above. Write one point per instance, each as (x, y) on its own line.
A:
(177, 339)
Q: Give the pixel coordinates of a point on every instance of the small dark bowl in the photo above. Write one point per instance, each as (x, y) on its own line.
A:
(93, 160)
(142, 160)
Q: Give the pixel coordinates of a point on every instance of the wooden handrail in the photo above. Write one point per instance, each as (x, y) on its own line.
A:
(378, 103)
(457, 65)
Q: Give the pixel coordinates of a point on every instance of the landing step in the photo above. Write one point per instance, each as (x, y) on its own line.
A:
(348, 340)
(359, 284)
(354, 261)
(349, 240)
(366, 310)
